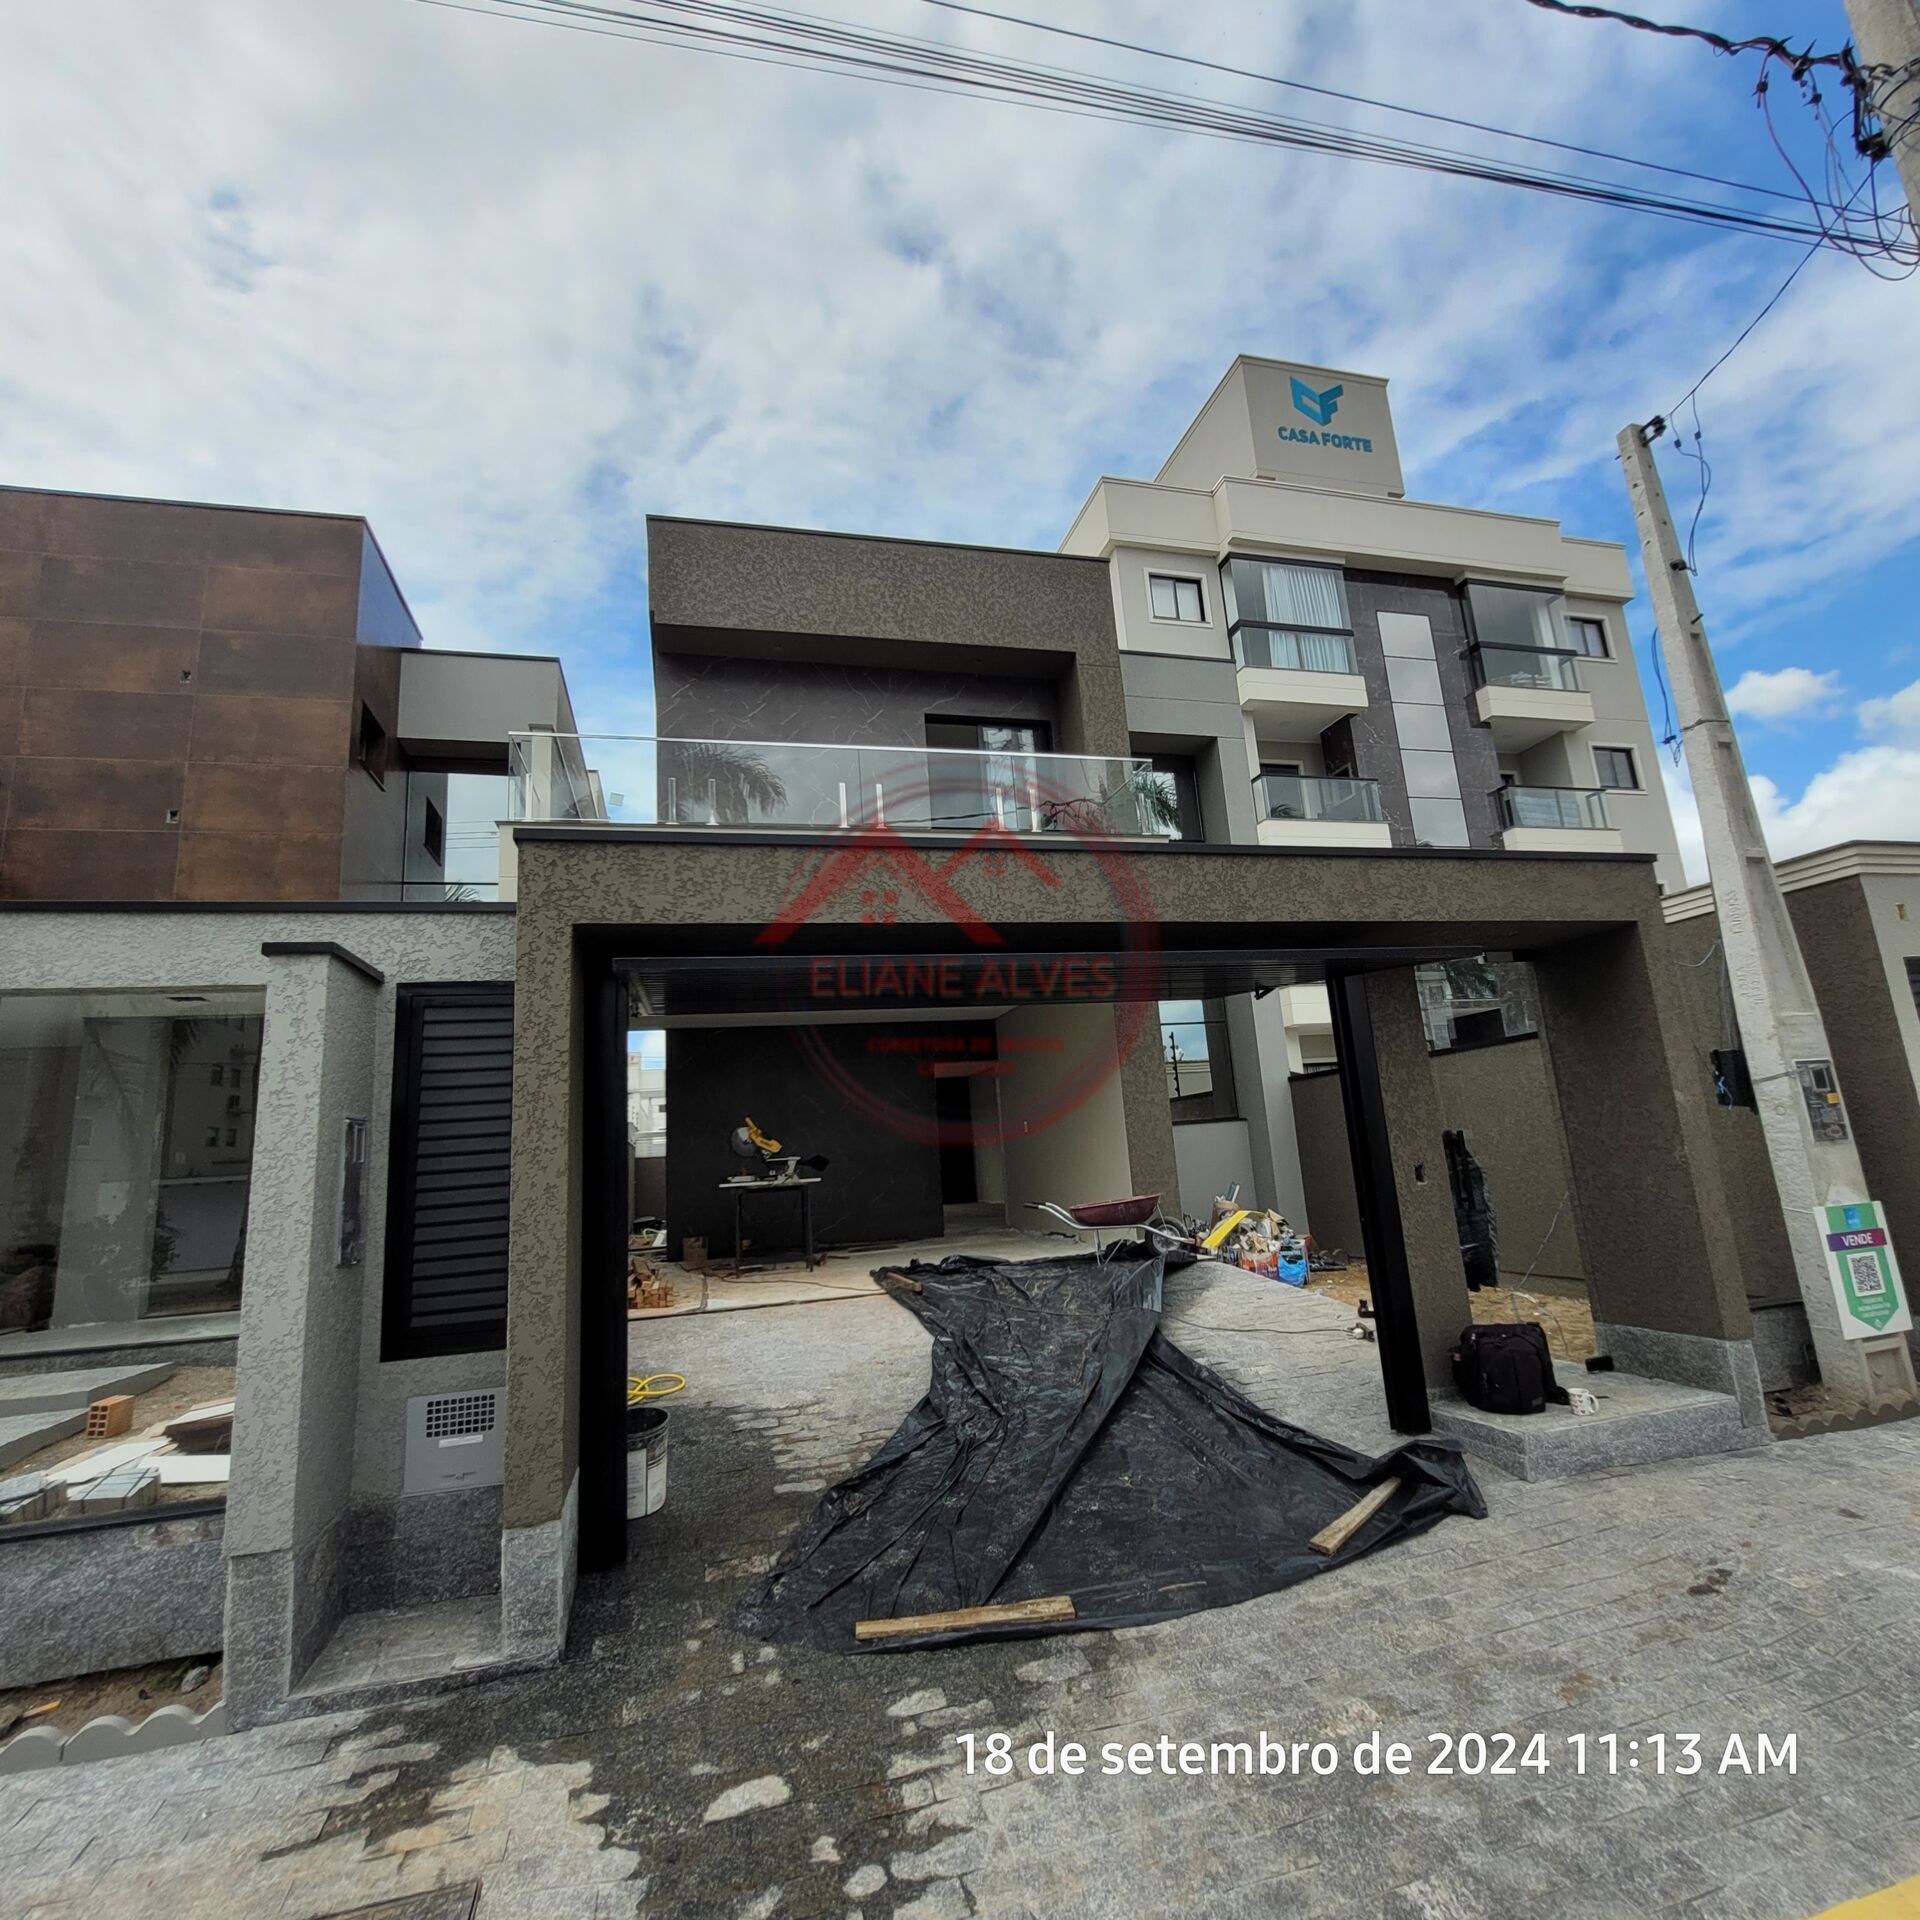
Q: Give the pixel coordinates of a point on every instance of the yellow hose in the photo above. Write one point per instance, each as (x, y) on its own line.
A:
(646, 1386)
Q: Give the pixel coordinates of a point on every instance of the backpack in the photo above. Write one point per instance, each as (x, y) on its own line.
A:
(1506, 1368)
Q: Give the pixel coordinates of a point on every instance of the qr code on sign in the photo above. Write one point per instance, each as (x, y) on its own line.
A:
(1867, 1277)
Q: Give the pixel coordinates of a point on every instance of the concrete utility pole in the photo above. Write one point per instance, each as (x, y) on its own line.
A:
(1886, 33)
(1809, 1139)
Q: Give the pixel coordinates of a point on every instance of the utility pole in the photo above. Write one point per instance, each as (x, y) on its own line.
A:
(1886, 33)
(1809, 1138)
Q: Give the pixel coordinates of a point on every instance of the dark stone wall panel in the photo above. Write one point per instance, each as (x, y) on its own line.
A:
(880, 1186)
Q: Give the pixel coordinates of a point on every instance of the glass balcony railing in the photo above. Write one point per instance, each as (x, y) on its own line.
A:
(1295, 796)
(1263, 646)
(1583, 807)
(809, 787)
(1527, 668)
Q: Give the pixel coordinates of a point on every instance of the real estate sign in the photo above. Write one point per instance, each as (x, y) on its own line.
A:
(1865, 1275)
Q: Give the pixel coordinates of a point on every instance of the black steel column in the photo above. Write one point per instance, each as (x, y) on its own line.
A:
(1389, 1281)
(605, 1205)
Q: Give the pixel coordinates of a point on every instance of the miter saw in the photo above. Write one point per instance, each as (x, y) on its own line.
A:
(748, 1141)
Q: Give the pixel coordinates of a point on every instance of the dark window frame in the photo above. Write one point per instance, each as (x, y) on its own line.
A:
(1578, 623)
(371, 745)
(1601, 781)
(1177, 581)
(433, 833)
(400, 1337)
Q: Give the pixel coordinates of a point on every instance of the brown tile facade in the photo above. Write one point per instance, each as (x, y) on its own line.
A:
(180, 689)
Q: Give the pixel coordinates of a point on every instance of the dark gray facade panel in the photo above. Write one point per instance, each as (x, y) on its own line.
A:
(1376, 747)
(1050, 615)
(725, 697)
(880, 1185)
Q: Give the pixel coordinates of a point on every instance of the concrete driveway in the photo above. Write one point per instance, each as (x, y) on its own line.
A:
(673, 1767)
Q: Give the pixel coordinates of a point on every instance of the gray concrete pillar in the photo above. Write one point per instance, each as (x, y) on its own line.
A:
(540, 1497)
(1143, 1095)
(298, 1362)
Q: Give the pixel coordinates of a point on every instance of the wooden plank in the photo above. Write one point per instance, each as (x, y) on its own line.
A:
(899, 1279)
(1016, 1613)
(1332, 1537)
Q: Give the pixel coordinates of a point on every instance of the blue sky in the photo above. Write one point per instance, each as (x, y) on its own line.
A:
(506, 289)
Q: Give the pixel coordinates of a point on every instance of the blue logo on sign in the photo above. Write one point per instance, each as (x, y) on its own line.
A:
(1319, 407)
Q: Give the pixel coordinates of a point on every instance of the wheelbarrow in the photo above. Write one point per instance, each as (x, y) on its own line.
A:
(1140, 1210)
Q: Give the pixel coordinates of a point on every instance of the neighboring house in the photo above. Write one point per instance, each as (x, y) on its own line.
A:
(223, 703)
(929, 861)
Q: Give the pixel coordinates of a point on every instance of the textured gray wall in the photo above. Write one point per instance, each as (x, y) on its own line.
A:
(188, 948)
(1842, 952)
(783, 592)
(1326, 1162)
(1691, 959)
(1414, 1127)
(103, 1597)
(297, 1385)
(715, 696)
(1655, 1223)
(1502, 1099)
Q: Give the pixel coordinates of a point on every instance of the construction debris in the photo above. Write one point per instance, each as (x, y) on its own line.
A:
(110, 1416)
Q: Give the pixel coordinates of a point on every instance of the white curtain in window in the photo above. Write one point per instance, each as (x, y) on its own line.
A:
(1299, 596)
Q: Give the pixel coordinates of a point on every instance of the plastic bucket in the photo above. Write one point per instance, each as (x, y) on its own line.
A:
(646, 1461)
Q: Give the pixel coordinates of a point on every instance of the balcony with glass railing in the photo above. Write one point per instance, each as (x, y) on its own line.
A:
(1527, 693)
(1555, 819)
(1305, 810)
(811, 787)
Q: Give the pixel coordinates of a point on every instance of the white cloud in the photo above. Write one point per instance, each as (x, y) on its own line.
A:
(1895, 716)
(1868, 793)
(1758, 695)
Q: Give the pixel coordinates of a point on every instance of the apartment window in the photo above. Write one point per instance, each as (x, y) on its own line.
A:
(1613, 768)
(370, 745)
(1589, 637)
(433, 835)
(1174, 598)
(1281, 614)
(1913, 982)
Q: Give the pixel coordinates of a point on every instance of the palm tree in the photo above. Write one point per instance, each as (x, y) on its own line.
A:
(731, 782)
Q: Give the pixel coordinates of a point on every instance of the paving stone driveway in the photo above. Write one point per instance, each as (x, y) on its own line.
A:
(673, 1767)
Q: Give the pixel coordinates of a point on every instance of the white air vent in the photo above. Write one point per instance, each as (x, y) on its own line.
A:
(455, 1440)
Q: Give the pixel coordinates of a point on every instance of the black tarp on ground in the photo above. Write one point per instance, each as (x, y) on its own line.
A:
(1065, 1446)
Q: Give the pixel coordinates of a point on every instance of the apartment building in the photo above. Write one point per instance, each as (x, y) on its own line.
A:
(1315, 661)
(934, 871)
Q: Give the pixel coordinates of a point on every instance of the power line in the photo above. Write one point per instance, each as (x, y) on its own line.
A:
(786, 38)
(1760, 43)
(1353, 99)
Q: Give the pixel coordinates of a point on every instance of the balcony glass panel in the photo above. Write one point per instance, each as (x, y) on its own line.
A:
(1302, 652)
(1294, 796)
(1579, 807)
(1283, 593)
(1517, 617)
(807, 786)
(1531, 672)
